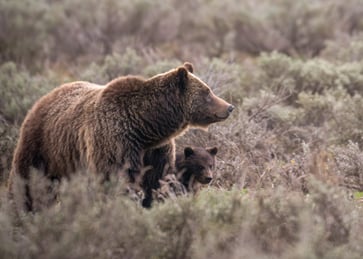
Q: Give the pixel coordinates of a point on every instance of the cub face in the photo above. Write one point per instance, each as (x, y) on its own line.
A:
(196, 165)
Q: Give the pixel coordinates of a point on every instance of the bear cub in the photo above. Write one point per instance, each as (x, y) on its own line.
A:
(195, 168)
(195, 165)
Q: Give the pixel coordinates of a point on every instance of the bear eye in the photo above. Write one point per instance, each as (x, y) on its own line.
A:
(200, 168)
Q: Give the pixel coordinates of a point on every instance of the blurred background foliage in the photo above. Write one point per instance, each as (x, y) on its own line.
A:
(289, 176)
(53, 32)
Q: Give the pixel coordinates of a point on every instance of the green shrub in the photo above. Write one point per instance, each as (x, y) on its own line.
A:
(286, 26)
(313, 76)
(22, 41)
(347, 123)
(129, 62)
(89, 222)
(113, 66)
(64, 31)
(19, 90)
(8, 138)
(349, 161)
(345, 49)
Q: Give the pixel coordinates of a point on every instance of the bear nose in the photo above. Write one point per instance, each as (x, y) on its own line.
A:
(208, 179)
(230, 108)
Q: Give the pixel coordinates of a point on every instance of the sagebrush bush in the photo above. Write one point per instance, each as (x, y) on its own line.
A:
(65, 31)
(349, 161)
(313, 76)
(22, 41)
(347, 123)
(347, 48)
(18, 90)
(113, 66)
(8, 137)
(90, 220)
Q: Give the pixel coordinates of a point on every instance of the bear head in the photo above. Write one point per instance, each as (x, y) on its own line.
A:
(203, 107)
(196, 164)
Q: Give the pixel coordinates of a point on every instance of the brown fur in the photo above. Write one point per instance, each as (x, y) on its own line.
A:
(107, 129)
(161, 161)
(195, 167)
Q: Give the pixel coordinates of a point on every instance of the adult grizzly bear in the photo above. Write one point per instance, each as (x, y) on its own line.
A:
(108, 128)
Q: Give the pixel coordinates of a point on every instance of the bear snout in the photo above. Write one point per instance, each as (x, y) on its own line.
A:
(224, 113)
(230, 108)
(205, 179)
(222, 109)
(208, 179)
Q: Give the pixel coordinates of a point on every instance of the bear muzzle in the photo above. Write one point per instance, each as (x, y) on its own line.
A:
(222, 115)
(230, 108)
(221, 108)
(208, 179)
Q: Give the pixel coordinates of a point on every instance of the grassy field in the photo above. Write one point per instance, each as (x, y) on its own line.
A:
(289, 176)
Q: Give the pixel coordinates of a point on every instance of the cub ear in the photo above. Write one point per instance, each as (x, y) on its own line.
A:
(189, 67)
(188, 151)
(182, 75)
(213, 151)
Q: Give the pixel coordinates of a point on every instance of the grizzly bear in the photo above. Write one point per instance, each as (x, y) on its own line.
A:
(195, 168)
(195, 165)
(159, 161)
(107, 129)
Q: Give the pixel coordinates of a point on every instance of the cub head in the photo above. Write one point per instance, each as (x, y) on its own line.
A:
(197, 164)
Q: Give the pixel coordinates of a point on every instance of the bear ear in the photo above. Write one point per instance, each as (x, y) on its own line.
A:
(189, 67)
(182, 74)
(213, 151)
(188, 151)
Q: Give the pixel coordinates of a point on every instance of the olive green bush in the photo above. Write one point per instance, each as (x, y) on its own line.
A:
(113, 66)
(67, 31)
(8, 136)
(19, 90)
(23, 31)
(348, 160)
(88, 221)
(344, 49)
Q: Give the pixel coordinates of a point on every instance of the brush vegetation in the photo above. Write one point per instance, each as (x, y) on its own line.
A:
(289, 176)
